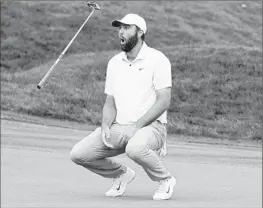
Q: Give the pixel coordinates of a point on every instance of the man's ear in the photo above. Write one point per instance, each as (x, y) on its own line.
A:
(140, 33)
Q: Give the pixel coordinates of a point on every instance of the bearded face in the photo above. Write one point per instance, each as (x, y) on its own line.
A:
(128, 44)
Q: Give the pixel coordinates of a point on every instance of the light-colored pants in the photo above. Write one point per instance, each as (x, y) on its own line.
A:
(142, 148)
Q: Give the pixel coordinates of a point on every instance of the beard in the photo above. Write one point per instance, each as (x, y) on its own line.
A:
(131, 42)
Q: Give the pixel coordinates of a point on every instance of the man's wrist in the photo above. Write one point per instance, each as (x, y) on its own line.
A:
(142, 123)
(139, 124)
(106, 123)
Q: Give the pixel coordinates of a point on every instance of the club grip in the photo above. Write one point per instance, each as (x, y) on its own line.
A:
(49, 72)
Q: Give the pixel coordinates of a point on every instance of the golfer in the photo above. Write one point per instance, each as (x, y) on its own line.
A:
(138, 89)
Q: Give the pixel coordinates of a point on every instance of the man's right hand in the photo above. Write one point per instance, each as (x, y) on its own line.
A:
(105, 135)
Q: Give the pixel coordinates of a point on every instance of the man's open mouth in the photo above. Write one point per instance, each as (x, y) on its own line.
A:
(123, 41)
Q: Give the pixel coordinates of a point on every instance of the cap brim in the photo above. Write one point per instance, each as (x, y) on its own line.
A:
(116, 23)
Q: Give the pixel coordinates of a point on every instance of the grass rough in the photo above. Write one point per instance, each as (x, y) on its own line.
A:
(215, 49)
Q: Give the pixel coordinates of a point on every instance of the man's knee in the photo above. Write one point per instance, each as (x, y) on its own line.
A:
(135, 151)
(78, 156)
(75, 156)
(83, 151)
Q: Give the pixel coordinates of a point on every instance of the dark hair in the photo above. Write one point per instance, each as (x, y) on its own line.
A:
(143, 35)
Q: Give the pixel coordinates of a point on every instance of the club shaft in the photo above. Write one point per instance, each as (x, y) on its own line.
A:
(40, 84)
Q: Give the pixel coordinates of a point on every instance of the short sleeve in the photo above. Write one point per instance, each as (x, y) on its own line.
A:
(162, 77)
(108, 84)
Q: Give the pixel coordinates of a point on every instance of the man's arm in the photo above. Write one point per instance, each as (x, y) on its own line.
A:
(109, 111)
(162, 81)
(161, 104)
(108, 116)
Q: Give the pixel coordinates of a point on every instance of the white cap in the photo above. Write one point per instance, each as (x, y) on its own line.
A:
(131, 19)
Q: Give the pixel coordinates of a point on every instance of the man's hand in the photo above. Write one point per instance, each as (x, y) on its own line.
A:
(105, 135)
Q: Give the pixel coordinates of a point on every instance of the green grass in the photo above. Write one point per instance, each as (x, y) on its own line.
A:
(215, 50)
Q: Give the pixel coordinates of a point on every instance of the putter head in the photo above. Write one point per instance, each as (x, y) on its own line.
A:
(93, 5)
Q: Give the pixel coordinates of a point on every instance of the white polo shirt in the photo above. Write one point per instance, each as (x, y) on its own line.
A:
(134, 84)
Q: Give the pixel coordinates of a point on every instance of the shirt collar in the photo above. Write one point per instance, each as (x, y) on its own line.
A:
(141, 55)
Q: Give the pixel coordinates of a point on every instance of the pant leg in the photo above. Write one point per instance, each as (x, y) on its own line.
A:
(92, 154)
(142, 149)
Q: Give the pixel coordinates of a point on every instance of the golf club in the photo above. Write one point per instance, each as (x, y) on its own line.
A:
(94, 7)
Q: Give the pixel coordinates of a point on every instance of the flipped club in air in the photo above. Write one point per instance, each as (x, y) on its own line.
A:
(94, 7)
